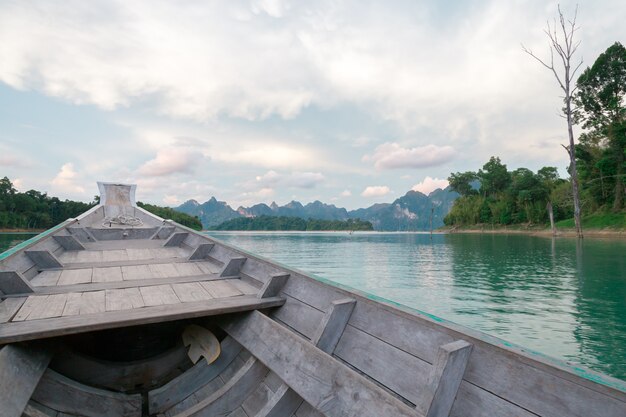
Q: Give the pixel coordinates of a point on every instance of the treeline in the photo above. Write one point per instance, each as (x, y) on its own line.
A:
(496, 195)
(192, 222)
(36, 210)
(292, 223)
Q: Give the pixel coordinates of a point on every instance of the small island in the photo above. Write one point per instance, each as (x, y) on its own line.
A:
(273, 223)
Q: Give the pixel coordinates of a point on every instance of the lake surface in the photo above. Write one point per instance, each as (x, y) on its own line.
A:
(561, 297)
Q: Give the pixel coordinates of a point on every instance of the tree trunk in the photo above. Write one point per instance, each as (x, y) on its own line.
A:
(551, 215)
(572, 159)
(618, 203)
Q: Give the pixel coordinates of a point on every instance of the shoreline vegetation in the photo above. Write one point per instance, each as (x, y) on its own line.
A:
(285, 223)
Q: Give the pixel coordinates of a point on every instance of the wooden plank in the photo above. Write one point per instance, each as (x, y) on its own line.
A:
(176, 239)
(333, 325)
(32, 305)
(244, 287)
(233, 267)
(21, 369)
(43, 259)
(135, 272)
(72, 304)
(94, 286)
(34, 409)
(89, 256)
(164, 232)
(69, 243)
(445, 378)
(92, 302)
(52, 307)
(232, 394)
(322, 381)
(75, 276)
(164, 270)
(139, 254)
(184, 385)
(67, 396)
(399, 371)
(9, 307)
(188, 269)
(123, 299)
(79, 265)
(191, 291)
(257, 399)
(12, 282)
(157, 295)
(286, 401)
(58, 326)
(219, 289)
(209, 267)
(108, 274)
(115, 255)
(273, 286)
(202, 251)
(46, 278)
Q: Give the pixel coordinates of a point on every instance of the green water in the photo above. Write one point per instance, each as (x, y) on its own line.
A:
(561, 297)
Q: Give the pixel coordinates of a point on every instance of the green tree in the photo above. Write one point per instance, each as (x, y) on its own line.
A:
(461, 182)
(494, 177)
(601, 98)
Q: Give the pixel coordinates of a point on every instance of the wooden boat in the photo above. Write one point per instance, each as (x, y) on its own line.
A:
(96, 315)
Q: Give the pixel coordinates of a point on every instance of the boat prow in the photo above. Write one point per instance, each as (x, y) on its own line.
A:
(118, 313)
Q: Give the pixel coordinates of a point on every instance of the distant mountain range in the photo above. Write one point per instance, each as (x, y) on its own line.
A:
(409, 212)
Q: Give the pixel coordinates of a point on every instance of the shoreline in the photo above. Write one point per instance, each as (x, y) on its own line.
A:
(33, 231)
(611, 233)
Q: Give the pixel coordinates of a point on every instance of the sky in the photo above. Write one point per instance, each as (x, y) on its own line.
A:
(348, 102)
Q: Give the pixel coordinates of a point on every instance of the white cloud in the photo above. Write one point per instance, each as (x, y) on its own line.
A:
(429, 185)
(66, 181)
(171, 200)
(170, 161)
(392, 156)
(346, 193)
(375, 191)
(293, 179)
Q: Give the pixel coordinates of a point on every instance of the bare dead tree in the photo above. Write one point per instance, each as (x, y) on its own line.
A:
(561, 40)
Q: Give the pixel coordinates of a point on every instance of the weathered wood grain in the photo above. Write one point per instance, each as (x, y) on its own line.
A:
(46, 279)
(176, 239)
(53, 306)
(58, 326)
(232, 268)
(221, 288)
(181, 387)
(273, 285)
(123, 299)
(108, 274)
(157, 295)
(44, 259)
(75, 276)
(333, 325)
(232, 394)
(9, 307)
(445, 378)
(21, 368)
(12, 282)
(32, 305)
(60, 393)
(321, 380)
(191, 291)
(69, 242)
(135, 272)
(201, 252)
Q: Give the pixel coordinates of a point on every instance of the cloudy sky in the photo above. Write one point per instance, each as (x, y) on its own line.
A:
(349, 102)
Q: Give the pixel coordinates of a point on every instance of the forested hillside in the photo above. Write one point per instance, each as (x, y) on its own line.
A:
(36, 210)
(292, 223)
